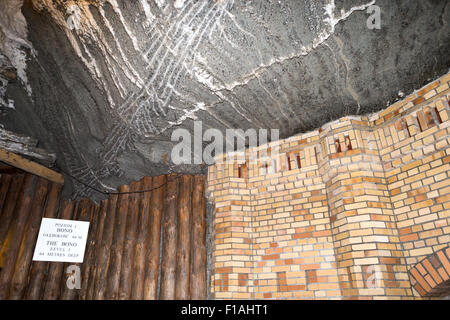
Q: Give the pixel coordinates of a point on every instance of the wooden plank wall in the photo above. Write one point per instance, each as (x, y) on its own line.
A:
(146, 245)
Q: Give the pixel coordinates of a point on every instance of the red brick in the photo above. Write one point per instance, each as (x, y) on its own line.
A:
(323, 233)
(296, 287)
(428, 88)
(421, 269)
(309, 266)
(444, 275)
(444, 261)
(434, 261)
(443, 199)
(301, 235)
(432, 271)
(271, 257)
(410, 237)
(420, 280)
(242, 276)
(404, 231)
(224, 270)
(311, 276)
(386, 260)
(421, 197)
(418, 100)
(420, 290)
(430, 281)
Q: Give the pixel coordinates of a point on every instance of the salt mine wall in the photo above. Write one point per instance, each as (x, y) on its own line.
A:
(144, 245)
(358, 209)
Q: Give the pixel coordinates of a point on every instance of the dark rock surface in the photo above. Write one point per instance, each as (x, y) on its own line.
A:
(112, 79)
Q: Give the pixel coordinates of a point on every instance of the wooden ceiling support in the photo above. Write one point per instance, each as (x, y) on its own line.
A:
(17, 161)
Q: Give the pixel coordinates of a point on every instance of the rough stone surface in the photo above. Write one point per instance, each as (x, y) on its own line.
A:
(110, 80)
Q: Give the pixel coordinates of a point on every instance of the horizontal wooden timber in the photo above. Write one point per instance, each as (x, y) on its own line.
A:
(30, 166)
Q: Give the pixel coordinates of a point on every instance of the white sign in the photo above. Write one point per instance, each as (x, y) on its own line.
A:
(61, 241)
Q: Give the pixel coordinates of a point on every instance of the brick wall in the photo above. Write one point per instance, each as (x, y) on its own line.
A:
(344, 212)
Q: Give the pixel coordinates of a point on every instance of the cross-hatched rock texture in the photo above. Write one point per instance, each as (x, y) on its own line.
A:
(104, 83)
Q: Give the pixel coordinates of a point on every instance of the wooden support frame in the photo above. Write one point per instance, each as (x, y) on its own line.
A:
(17, 161)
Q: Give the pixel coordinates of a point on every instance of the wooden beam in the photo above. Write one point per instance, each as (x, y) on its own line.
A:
(88, 265)
(5, 182)
(128, 252)
(39, 268)
(137, 287)
(183, 254)
(25, 257)
(29, 166)
(98, 242)
(153, 238)
(105, 250)
(169, 239)
(11, 249)
(198, 285)
(9, 209)
(115, 261)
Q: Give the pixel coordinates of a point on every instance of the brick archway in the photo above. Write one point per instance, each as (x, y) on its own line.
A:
(431, 276)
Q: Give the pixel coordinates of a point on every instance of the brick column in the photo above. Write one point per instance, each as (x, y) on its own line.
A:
(367, 247)
(232, 267)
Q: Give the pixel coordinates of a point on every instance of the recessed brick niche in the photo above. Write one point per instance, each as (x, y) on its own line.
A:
(358, 209)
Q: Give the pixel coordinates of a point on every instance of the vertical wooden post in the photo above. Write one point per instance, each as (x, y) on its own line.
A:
(137, 291)
(10, 249)
(8, 208)
(5, 181)
(126, 274)
(198, 286)
(183, 239)
(98, 238)
(169, 248)
(19, 279)
(88, 264)
(39, 268)
(104, 254)
(112, 288)
(55, 270)
(153, 239)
